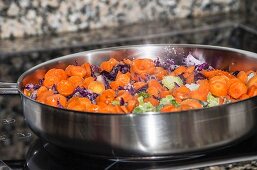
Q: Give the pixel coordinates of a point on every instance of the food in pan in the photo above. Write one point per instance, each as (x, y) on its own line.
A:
(142, 85)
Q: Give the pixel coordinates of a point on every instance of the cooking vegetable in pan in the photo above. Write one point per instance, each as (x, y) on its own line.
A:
(142, 85)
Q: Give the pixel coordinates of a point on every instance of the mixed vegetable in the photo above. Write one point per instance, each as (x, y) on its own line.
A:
(141, 85)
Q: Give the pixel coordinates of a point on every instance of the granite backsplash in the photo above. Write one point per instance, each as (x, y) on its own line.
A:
(24, 18)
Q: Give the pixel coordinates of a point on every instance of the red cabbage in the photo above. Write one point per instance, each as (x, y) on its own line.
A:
(122, 102)
(54, 89)
(124, 68)
(59, 104)
(150, 77)
(144, 88)
(204, 66)
(182, 78)
(79, 91)
(104, 80)
(198, 76)
(33, 95)
(40, 81)
(94, 69)
(168, 64)
(130, 89)
(32, 86)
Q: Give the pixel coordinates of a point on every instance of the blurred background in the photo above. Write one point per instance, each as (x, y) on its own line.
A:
(34, 31)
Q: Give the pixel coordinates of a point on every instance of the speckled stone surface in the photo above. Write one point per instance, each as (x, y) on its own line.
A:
(35, 17)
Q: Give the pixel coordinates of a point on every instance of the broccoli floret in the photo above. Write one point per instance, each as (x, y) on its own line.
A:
(143, 107)
(167, 100)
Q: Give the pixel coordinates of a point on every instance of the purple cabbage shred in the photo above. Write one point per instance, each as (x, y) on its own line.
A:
(33, 95)
(144, 88)
(54, 89)
(59, 104)
(32, 86)
(122, 102)
(106, 83)
(176, 84)
(94, 69)
(130, 89)
(124, 68)
(182, 78)
(40, 81)
(79, 91)
(198, 76)
(168, 64)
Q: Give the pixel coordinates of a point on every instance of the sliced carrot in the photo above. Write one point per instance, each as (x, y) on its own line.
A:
(212, 73)
(78, 103)
(124, 109)
(116, 84)
(154, 83)
(190, 69)
(65, 87)
(181, 93)
(218, 86)
(56, 100)
(124, 78)
(160, 72)
(170, 108)
(244, 96)
(108, 65)
(138, 85)
(125, 95)
(53, 76)
(237, 89)
(202, 92)
(152, 100)
(72, 70)
(119, 110)
(93, 108)
(180, 70)
(143, 66)
(164, 93)
(76, 80)
(153, 91)
(107, 96)
(96, 87)
(87, 81)
(190, 79)
(192, 103)
(127, 61)
(242, 76)
(87, 66)
(44, 95)
(131, 105)
(252, 91)
(41, 90)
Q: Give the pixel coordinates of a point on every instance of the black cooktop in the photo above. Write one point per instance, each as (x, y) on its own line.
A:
(21, 149)
(42, 155)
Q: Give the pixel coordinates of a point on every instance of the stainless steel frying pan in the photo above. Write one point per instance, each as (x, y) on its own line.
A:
(148, 135)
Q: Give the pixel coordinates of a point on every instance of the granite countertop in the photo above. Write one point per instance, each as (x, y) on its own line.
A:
(107, 36)
(24, 53)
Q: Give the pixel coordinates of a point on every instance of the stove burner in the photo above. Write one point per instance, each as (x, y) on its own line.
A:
(43, 155)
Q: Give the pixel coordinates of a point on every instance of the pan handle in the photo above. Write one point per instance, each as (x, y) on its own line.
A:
(8, 88)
